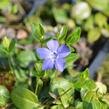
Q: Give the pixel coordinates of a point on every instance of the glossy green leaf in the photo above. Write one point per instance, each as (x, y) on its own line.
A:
(74, 36)
(91, 100)
(25, 99)
(65, 97)
(37, 32)
(62, 84)
(41, 29)
(12, 45)
(88, 85)
(63, 33)
(87, 99)
(94, 103)
(84, 83)
(6, 42)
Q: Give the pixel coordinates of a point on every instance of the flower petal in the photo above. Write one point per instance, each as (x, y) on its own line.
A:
(48, 64)
(59, 64)
(53, 45)
(63, 51)
(43, 52)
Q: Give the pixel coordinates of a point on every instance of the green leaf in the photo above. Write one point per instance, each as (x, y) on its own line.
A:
(94, 35)
(88, 85)
(39, 85)
(38, 68)
(33, 33)
(7, 47)
(62, 84)
(96, 104)
(6, 42)
(89, 96)
(73, 37)
(104, 106)
(78, 104)
(37, 31)
(25, 99)
(71, 58)
(87, 105)
(65, 97)
(100, 20)
(4, 95)
(41, 29)
(64, 89)
(60, 15)
(84, 83)
(3, 51)
(89, 24)
(62, 33)
(85, 74)
(26, 57)
(91, 99)
(12, 45)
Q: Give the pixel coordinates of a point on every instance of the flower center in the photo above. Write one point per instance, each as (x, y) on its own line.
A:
(53, 56)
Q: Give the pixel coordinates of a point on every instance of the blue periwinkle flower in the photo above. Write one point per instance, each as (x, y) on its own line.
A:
(53, 55)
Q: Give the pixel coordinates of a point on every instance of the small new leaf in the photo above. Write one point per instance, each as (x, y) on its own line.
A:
(74, 36)
(6, 42)
(62, 33)
(12, 45)
(42, 32)
(37, 32)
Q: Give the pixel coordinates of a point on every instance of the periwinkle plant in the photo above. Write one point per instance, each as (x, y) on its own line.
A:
(47, 88)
